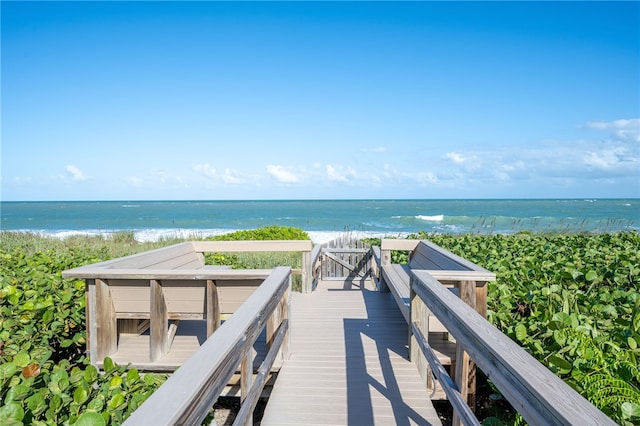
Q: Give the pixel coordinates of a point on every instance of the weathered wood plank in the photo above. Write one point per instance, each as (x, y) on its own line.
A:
(202, 274)
(249, 246)
(153, 257)
(349, 356)
(213, 308)
(398, 244)
(104, 324)
(245, 415)
(465, 371)
(419, 317)
(461, 409)
(159, 342)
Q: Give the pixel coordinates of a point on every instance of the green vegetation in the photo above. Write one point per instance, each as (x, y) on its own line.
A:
(45, 377)
(571, 300)
(260, 260)
(264, 234)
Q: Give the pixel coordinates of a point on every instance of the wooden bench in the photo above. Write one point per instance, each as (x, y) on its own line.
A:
(465, 279)
(136, 303)
(448, 268)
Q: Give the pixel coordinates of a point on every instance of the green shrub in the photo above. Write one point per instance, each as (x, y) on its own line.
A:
(45, 377)
(264, 234)
(571, 300)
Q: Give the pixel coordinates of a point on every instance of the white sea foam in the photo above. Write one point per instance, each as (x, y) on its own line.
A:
(435, 218)
(321, 237)
(152, 234)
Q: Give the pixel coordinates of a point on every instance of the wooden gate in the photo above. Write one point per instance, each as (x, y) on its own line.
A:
(345, 258)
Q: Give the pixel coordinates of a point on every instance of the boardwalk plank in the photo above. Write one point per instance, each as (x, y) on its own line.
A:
(349, 363)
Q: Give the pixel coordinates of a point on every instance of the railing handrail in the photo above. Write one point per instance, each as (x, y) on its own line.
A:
(167, 274)
(252, 246)
(449, 387)
(188, 395)
(533, 390)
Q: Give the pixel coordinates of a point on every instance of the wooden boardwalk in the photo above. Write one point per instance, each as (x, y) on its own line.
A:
(348, 363)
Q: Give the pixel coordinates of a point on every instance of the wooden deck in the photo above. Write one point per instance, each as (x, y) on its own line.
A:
(349, 363)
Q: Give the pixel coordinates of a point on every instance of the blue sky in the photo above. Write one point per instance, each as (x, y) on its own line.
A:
(314, 100)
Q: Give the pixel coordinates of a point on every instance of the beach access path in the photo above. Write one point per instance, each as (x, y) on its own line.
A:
(349, 362)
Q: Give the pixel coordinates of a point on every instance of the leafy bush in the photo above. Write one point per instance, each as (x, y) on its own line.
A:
(573, 301)
(264, 234)
(45, 377)
(261, 260)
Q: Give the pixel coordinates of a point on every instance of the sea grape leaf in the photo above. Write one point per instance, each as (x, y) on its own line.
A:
(115, 382)
(12, 410)
(117, 401)
(562, 364)
(521, 332)
(81, 394)
(91, 374)
(95, 405)
(18, 393)
(21, 359)
(90, 419)
(108, 365)
(132, 376)
(36, 403)
(591, 276)
(630, 410)
(7, 370)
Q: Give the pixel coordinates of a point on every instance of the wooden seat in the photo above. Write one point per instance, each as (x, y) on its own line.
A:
(450, 270)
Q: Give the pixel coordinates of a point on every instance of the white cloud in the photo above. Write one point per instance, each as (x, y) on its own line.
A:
(231, 177)
(376, 149)
(75, 172)
(134, 181)
(205, 169)
(455, 157)
(339, 173)
(622, 129)
(426, 178)
(282, 174)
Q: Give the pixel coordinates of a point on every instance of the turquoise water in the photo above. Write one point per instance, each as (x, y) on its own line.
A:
(151, 220)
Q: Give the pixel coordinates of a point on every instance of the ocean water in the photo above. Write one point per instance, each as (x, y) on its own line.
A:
(322, 219)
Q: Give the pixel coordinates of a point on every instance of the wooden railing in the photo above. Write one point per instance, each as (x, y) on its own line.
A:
(190, 393)
(376, 263)
(535, 392)
(158, 288)
(302, 246)
(316, 266)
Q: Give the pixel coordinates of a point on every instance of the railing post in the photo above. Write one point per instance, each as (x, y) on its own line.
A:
(246, 378)
(385, 260)
(213, 307)
(159, 339)
(419, 315)
(465, 372)
(103, 324)
(307, 276)
(285, 314)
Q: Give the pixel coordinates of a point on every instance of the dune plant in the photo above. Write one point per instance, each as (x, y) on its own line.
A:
(573, 301)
